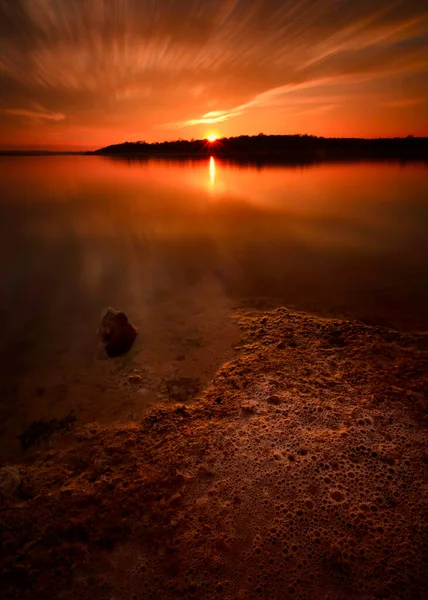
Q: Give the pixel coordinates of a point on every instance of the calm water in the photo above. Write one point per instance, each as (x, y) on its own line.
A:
(168, 241)
(78, 233)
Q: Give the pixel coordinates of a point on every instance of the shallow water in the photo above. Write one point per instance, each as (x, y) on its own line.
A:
(178, 246)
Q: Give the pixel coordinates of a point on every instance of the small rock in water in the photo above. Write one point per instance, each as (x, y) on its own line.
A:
(10, 480)
(116, 332)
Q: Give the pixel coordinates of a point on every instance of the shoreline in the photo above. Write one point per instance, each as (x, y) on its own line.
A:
(275, 149)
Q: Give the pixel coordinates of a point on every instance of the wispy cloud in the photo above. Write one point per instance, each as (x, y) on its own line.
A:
(278, 97)
(272, 97)
(405, 103)
(360, 54)
(292, 94)
(34, 115)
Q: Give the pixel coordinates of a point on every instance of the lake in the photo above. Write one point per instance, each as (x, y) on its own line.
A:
(180, 246)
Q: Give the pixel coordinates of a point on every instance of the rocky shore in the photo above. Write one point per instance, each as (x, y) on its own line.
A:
(301, 472)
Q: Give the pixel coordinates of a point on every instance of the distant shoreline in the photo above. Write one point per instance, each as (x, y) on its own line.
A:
(43, 153)
(278, 149)
(261, 149)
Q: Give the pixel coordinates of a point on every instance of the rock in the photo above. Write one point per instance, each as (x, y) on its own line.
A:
(135, 379)
(116, 332)
(10, 480)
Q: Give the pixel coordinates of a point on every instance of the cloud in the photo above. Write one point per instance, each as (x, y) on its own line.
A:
(34, 115)
(405, 103)
(351, 75)
(278, 97)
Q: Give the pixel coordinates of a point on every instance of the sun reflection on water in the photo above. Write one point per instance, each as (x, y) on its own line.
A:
(212, 171)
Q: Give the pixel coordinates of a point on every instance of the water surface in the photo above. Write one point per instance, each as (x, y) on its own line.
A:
(179, 246)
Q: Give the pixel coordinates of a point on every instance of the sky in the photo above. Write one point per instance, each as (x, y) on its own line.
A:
(82, 74)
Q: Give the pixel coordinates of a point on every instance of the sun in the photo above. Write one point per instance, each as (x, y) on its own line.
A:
(212, 137)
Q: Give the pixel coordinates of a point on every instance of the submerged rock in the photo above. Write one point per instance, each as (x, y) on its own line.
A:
(116, 332)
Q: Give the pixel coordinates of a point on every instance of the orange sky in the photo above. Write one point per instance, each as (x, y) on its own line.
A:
(81, 74)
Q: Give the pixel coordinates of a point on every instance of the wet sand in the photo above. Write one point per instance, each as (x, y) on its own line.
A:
(298, 470)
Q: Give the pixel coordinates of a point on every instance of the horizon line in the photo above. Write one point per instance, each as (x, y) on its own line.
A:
(59, 149)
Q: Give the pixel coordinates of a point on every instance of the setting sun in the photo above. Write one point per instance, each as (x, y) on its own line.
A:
(212, 137)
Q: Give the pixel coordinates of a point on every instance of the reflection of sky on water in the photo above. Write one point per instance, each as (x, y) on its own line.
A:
(344, 239)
